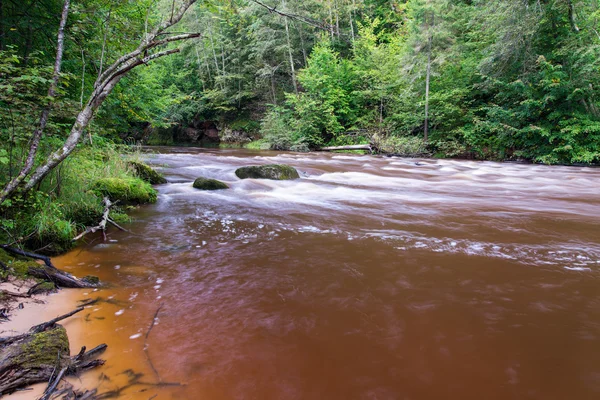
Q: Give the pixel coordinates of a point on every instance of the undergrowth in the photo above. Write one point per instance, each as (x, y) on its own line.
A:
(70, 198)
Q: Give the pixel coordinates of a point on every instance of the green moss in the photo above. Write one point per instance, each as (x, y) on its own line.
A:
(5, 258)
(44, 347)
(209, 184)
(45, 287)
(21, 268)
(273, 171)
(125, 190)
(94, 280)
(146, 173)
(260, 144)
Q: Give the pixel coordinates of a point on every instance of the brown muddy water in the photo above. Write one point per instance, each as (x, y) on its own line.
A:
(368, 278)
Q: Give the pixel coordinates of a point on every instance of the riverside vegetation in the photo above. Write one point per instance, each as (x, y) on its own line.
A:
(81, 82)
(482, 79)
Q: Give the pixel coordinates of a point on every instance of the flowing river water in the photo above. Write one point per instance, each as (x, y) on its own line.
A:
(368, 278)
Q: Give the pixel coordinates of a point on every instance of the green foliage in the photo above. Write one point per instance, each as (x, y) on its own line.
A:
(66, 203)
(401, 145)
(509, 79)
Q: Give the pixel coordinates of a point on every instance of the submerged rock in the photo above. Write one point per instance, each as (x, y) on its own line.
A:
(209, 184)
(146, 173)
(277, 172)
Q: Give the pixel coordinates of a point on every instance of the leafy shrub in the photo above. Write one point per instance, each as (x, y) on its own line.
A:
(402, 145)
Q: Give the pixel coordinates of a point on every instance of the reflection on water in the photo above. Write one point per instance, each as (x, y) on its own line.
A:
(369, 278)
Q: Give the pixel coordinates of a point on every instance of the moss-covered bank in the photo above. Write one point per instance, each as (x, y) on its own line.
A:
(70, 198)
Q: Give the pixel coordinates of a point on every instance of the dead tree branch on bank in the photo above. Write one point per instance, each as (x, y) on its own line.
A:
(29, 254)
(102, 225)
(103, 86)
(48, 271)
(309, 21)
(349, 147)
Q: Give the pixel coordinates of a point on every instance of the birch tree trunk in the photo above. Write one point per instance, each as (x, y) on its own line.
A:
(289, 46)
(102, 88)
(37, 134)
(427, 80)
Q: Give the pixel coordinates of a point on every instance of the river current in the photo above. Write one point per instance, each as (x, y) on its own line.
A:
(368, 278)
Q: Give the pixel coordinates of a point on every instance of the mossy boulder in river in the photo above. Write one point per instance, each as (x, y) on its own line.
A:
(146, 173)
(125, 190)
(209, 184)
(277, 172)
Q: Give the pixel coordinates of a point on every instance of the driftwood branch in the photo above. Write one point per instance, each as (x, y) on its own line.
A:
(36, 357)
(102, 225)
(23, 253)
(14, 294)
(52, 322)
(119, 227)
(38, 328)
(350, 147)
(53, 385)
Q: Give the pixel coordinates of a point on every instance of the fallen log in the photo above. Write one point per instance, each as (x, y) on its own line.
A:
(349, 147)
(48, 271)
(23, 253)
(58, 277)
(35, 357)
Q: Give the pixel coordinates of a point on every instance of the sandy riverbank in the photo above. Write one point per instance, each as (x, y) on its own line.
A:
(36, 310)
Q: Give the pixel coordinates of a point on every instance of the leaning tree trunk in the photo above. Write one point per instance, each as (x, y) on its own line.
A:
(102, 88)
(289, 46)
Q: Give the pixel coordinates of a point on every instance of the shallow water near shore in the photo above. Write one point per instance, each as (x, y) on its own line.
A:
(368, 278)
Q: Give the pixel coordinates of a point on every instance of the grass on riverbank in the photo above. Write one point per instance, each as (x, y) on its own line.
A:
(70, 198)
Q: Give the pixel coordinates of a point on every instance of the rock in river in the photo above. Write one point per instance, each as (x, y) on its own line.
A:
(278, 172)
(146, 173)
(209, 184)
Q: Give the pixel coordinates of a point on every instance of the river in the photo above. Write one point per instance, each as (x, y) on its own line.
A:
(368, 278)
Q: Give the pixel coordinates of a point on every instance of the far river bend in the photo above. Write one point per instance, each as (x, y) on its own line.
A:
(368, 278)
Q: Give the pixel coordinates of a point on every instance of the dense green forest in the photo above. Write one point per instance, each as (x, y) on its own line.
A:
(499, 79)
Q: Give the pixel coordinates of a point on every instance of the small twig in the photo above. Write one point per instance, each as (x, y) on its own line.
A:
(32, 289)
(154, 320)
(117, 226)
(56, 365)
(52, 387)
(46, 325)
(146, 344)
